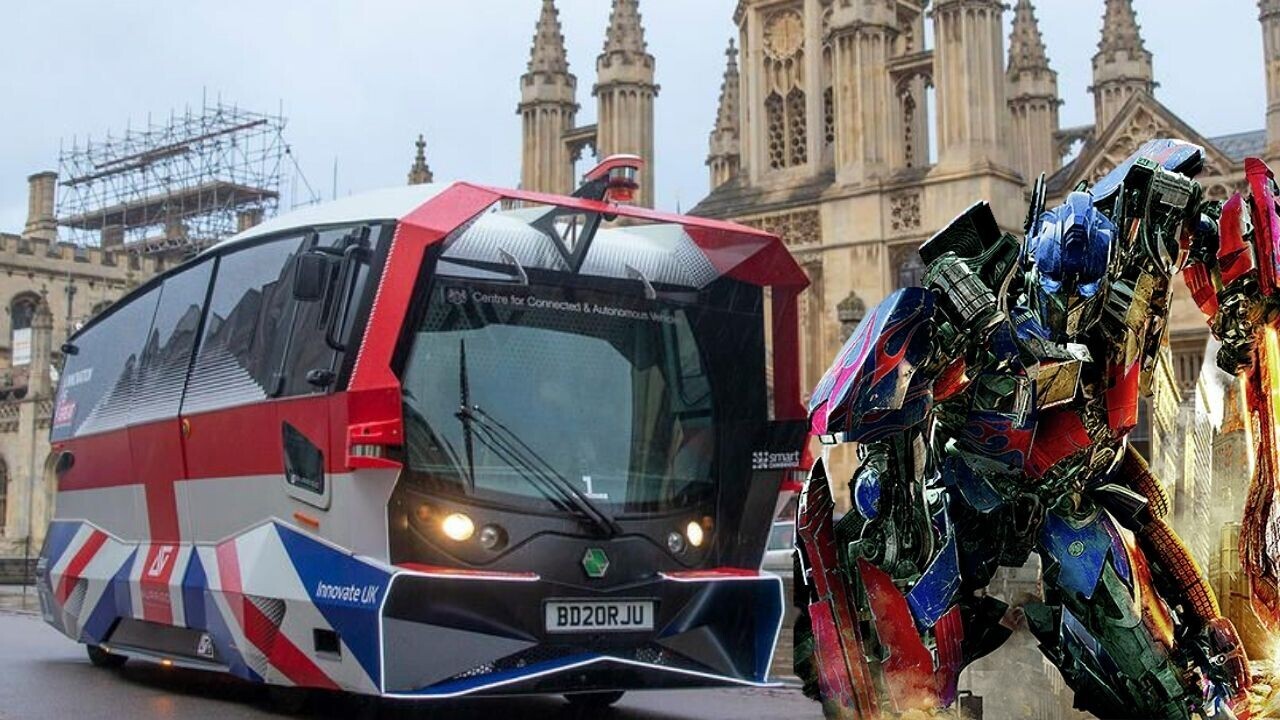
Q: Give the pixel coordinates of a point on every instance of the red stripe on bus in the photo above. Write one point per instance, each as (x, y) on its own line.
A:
(229, 578)
(260, 631)
(228, 443)
(78, 563)
(281, 652)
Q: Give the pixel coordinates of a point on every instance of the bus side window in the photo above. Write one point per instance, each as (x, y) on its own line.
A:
(166, 356)
(309, 356)
(246, 327)
(99, 379)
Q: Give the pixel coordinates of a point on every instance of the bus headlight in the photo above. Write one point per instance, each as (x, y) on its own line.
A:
(694, 533)
(675, 543)
(458, 527)
(492, 537)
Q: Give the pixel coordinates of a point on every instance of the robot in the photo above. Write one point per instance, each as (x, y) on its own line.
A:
(990, 409)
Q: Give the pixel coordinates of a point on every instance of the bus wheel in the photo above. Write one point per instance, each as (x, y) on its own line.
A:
(103, 659)
(597, 700)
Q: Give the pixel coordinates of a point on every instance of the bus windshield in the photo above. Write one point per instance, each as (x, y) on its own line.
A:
(558, 397)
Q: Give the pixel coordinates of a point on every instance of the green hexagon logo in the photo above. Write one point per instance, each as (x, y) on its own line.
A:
(595, 562)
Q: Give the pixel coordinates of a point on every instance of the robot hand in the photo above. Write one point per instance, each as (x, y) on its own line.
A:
(1234, 266)
(1225, 668)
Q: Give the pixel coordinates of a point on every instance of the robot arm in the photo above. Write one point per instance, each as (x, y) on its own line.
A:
(878, 394)
(1179, 579)
(868, 584)
(1234, 276)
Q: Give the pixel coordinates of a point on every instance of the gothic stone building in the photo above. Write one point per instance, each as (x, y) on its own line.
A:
(823, 136)
(47, 288)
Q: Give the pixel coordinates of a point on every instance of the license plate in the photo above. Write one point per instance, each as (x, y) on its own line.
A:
(584, 616)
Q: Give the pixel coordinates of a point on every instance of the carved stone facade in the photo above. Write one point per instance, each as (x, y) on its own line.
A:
(904, 212)
(862, 161)
(798, 229)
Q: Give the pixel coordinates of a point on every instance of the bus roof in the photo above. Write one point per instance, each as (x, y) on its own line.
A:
(385, 204)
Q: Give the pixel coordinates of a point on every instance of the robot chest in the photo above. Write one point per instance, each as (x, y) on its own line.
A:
(1053, 415)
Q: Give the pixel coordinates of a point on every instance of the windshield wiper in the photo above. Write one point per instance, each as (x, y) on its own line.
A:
(522, 457)
(464, 415)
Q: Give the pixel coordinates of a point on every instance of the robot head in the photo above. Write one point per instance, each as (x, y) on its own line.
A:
(1067, 255)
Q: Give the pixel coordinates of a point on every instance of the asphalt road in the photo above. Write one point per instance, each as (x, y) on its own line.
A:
(45, 675)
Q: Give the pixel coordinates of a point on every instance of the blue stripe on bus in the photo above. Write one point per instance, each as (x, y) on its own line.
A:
(347, 592)
(58, 538)
(114, 603)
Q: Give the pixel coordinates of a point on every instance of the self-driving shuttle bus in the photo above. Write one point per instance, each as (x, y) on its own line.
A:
(437, 440)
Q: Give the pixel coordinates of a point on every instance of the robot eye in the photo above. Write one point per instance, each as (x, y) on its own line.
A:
(1089, 289)
(1050, 284)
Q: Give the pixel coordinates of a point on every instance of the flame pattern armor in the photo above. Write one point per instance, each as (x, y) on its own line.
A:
(991, 410)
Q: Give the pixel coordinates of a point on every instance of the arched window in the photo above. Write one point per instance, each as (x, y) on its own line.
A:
(777, 132)
(908, 131)
(797, 136)
(21, 312)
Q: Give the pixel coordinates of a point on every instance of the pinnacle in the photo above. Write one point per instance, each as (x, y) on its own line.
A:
(420, 172)
(727, 114)
(1026, 45)
(1120, 29)
(548, 54)
(625, 33)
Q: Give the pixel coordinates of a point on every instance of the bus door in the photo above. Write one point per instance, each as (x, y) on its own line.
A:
(259, 413)
(237, 396)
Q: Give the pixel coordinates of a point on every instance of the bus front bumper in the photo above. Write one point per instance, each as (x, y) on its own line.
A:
(447, 634)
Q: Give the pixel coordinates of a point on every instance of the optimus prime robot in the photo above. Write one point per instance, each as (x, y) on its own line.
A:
(990, 409)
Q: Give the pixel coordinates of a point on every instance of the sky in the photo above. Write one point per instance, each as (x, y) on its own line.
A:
(359, 80)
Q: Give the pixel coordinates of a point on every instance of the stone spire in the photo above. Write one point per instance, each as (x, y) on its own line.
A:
(1026, 45)
(1269, 17)
(624, 92)
(1122, 65)
(548, 54)
(626, 33)
(725, 156)
(420, 172)
(1033, 97)
(548, 109)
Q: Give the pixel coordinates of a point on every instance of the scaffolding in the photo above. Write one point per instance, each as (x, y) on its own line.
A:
(180, 184)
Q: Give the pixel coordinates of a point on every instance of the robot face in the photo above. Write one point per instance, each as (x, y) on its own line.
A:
(1068, 256)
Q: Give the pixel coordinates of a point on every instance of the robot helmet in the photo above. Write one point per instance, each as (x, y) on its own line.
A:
(1067, 254)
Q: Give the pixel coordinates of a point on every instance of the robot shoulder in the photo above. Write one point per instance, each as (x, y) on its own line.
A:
(877, 384)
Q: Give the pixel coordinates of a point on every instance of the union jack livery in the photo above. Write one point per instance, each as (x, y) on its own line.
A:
(434, 441)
